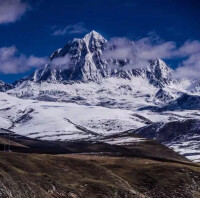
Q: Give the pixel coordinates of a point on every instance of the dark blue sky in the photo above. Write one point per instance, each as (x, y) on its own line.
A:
(172, 20)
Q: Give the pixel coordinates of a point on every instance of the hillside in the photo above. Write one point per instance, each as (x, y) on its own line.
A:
(81, 176)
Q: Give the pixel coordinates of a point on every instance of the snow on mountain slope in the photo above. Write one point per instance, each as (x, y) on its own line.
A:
(112, 92)
(62, 121)
(69, 121)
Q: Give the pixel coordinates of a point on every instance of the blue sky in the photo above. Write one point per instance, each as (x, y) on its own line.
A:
(30, 29)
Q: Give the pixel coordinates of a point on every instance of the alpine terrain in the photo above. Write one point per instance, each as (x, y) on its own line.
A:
(82, 94)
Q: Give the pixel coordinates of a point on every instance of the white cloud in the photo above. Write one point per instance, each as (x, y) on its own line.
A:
(62, 62)
(34, 61)
(152, 50)
(140, 51)
(119, 48)
(190, 66)
(12, 63)
(188, 48)
(12, 10)
(77, 28)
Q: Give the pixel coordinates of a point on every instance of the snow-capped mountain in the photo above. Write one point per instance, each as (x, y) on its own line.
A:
(82, 94)
(84, 60)
(80, 72)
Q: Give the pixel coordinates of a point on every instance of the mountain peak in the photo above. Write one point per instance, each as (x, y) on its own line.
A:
(159, 62)
(93, 35)
(159, 73)
(93, 32)
(160, 67)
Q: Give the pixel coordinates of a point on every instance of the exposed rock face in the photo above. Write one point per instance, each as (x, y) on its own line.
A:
(185, 101)
(163, 95)
(5, 86)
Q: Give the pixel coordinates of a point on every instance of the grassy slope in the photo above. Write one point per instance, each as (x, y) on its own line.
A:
(84, 176)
